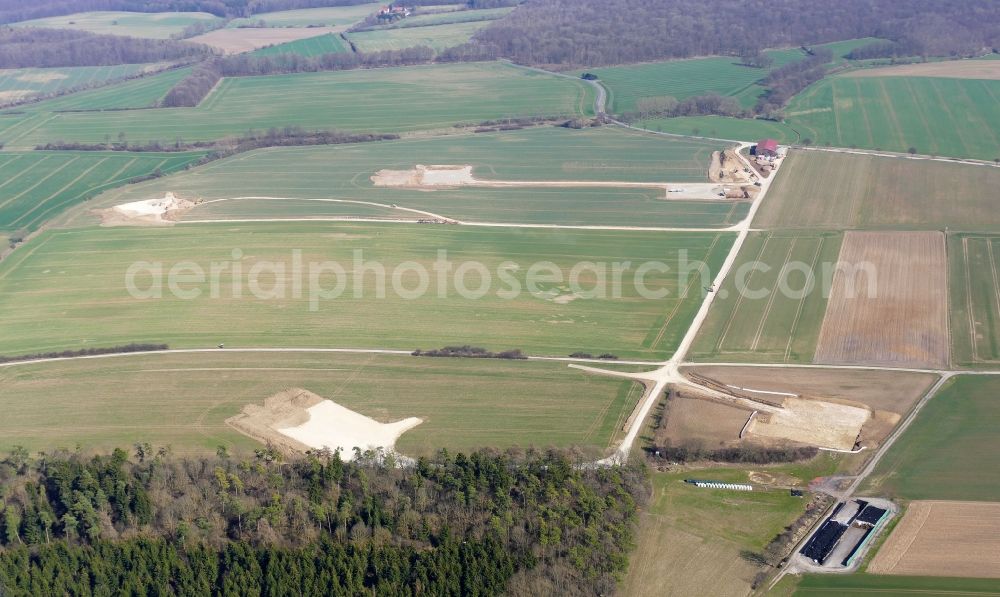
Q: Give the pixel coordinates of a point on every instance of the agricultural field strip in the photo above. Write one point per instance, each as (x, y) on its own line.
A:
(74, 181)
(969, 293)
(733, 228)
(931, 115)
(240, 103)
(294, 350)
(906, 322)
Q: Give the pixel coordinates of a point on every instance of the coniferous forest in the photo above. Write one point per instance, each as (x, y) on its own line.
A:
(487, 523)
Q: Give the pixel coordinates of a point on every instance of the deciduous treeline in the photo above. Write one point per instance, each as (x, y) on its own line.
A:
(784, 82)
(22, 47)
(18, 10)
(193, 88)
(745, 454)
(600, 32)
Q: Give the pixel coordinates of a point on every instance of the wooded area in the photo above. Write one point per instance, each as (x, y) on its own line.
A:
(602, 32)
(16, 10)
(33, 47)
(528, 522)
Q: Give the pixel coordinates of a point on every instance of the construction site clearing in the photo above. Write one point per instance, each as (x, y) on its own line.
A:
(298, 420)
(148, 212)
(449, 176)
(831, 409)
(776, 418)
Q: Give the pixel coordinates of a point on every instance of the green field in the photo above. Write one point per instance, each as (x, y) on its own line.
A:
(828, 190)
(850, 585)
(974, 299)
(332, 16)
(82, 275)
(310, 46)
(937, 116)
(374, 100)
(723, 75)
(159, 25)
(182, 400)
(36, 186)
(766, 324)
(691, 538)
(143, 92)
(26, 83)
(544, 154)
(682, 79)
(952, 450)
(721, 127)
(438, 37)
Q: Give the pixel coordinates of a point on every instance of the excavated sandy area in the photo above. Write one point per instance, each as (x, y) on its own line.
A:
(148, 212)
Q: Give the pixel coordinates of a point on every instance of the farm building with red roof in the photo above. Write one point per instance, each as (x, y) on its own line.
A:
(766, 147)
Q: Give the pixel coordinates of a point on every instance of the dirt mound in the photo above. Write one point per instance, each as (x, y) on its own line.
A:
(284, 409)
(149, 212)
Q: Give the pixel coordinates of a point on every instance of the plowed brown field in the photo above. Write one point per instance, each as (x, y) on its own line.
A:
(943, 539)
(889, 302)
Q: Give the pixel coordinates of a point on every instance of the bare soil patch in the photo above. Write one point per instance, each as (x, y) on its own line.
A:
(148, 212)
(943, 538)
(41, 77)
(689, 418)
(425, 176)
(889, 305)
(953, 69)
(728, 167)
(14, 94)
(887, 394)
(429, 178)
(284, 409)
(894, 391)
(299, 420)
(812, 422)
(246, 39)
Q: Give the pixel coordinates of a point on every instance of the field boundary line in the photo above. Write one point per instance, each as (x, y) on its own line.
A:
(25, 171)
(891, 110)
(770, 300)
(62, 190)
(42, 122)
(970, 307)
(802, 302)
(976, 115)
(265, 350)
(680, 301)
(40, 181)
(945, 106)
(127, 165)
(864, 112)
(739, 301)
(934, 147)
(996, 279)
